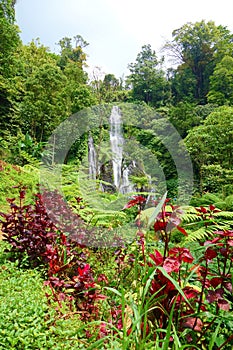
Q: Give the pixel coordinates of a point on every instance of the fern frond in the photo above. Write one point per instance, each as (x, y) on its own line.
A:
(205, 232)
(224, 215)
(199, 229)
(197, 235)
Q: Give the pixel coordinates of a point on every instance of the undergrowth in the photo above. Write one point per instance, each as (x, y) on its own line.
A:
(150, 293)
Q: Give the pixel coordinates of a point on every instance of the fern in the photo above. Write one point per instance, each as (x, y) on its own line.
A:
(224, 215)
(98, 208)
(199, 229)
(204, 233)
(190, 215)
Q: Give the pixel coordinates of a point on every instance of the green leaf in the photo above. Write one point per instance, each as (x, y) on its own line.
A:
(157, 210)
(164, 272)
(114, 291)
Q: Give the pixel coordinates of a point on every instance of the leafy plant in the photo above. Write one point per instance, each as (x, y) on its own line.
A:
(201, 223)
(35, 238)
(190, 295)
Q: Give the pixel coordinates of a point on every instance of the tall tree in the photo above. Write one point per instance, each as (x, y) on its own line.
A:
(211, 143)
(197, 48)
(112, 90)
(221, 83)
(70, 52)
(147, 78)
(44, 104)
(9, 41)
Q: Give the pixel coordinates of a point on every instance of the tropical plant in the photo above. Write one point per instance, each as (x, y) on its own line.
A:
(185, 289)
(197, 48)
(147, 78)
(37, 240)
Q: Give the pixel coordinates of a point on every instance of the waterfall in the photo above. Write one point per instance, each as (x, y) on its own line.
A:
(92, 158)
(126, 186)
(114, 173)
(116, 141)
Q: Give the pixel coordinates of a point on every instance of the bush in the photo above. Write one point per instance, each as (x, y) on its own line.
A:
(12, 177)
(205, 199)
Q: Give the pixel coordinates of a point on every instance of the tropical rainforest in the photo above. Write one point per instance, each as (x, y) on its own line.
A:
(87, 268)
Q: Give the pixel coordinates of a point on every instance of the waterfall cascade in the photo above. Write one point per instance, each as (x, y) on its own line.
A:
(126, 186)
(116, 141)
(92, 160)
(120, 172)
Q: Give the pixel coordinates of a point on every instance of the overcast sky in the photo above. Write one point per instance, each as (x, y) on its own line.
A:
(115, 29)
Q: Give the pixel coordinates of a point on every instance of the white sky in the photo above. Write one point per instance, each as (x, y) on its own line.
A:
(115, 29)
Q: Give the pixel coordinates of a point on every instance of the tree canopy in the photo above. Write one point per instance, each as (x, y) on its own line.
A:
(40, 89)
(197, 48)
(147, 78)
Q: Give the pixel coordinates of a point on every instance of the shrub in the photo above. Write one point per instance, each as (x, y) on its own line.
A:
(38, 238)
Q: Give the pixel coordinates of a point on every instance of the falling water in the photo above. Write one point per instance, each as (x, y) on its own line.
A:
(126, 186)
(92, 158)
(116, 140)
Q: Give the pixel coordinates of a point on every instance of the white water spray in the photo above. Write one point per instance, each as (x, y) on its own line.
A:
(116, 140)
(92, 158)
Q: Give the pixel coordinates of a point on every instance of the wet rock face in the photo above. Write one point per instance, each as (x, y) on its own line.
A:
(133, 178)
(106, 176)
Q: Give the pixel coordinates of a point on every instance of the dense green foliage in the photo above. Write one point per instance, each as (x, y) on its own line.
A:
(116, 275)
(210, 146)
(162, 296)
(40, 89)
(147, 79)
(27, 322)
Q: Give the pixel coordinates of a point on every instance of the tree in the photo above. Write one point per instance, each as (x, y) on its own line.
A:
(211, 143)
(7, 10)
(72, 62)
(78, 93)
(182, 82)
(221, 83)
(69, 53)
(48, 93)
(9, 41)
(197, 48)
(112, 90)
(184, 116)
(147, 79)
(9, 34)
(44, 105)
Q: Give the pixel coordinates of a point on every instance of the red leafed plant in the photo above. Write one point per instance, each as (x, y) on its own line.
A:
(41, 238)
(186, 288)
(137, 200)
(169, 269)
